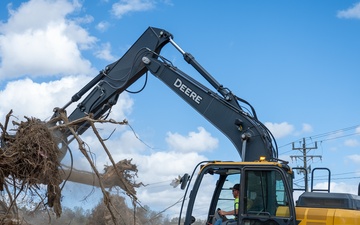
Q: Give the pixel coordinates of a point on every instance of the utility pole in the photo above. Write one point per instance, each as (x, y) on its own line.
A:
(305, 158)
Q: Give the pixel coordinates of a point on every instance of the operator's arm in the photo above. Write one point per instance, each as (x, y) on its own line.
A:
(227, 213)
(233, 212)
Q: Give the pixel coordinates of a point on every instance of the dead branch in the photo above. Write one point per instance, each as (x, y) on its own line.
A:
(31, 157)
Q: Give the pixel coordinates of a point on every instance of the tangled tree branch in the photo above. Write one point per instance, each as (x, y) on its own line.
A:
(31, 157)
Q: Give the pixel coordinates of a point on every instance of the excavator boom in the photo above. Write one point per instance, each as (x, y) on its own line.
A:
(250, 137)
(117, 77)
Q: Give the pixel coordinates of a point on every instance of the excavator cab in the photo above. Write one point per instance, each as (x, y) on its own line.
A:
(265, 193)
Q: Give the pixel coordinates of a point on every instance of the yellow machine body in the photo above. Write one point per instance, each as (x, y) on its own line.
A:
(325, 216)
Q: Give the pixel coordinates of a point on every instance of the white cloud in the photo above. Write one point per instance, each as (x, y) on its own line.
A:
(102, 26)
(355, 158)
(340, 187)
(357, 130)
(335, 187)
(36, 14)
(163, 167)
(350, 13)
(105, 52)
(85, 19)
(38, 40)
(154, 165)
(351, 143)
(123, 7)
(28, 98)
(306, 128)
(280, 130)
(195, 141)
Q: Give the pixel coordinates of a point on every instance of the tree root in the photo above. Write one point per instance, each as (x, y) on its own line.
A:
(31, 158)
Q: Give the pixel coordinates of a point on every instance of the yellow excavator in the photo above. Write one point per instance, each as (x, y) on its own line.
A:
(266, 182)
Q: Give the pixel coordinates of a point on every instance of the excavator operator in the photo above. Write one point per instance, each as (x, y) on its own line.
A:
(221, 215)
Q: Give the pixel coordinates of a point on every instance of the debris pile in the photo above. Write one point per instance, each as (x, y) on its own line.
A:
(125, 181)
(31, 157)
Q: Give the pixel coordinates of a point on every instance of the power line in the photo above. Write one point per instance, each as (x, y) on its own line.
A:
(340, 178)
(336, 131)
(329, 133)
(300, 182)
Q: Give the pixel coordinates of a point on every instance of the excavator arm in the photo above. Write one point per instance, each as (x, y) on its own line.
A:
(250, 137)
(116, 77)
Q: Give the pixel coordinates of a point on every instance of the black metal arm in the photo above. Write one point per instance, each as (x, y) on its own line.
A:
(250, 137)
(223, 112)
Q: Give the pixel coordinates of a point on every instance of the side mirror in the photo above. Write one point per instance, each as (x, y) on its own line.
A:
(184, 181)
(193, 219)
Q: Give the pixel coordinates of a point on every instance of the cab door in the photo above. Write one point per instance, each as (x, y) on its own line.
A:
(267, 198)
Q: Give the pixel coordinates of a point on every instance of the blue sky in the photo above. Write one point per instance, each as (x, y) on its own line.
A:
(296, 62)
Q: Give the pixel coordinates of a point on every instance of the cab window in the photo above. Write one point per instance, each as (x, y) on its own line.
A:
(265, 193)
(226, 198)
